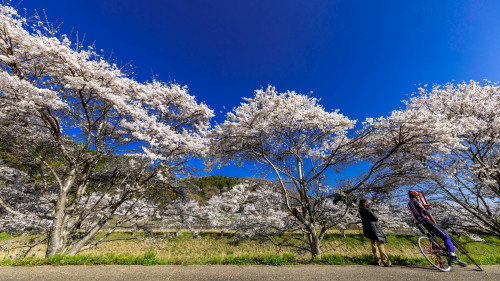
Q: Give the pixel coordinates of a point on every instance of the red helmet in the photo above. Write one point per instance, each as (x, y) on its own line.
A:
(413, 193)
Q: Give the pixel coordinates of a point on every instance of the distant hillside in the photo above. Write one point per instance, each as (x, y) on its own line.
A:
(215, 184)
(209, 186)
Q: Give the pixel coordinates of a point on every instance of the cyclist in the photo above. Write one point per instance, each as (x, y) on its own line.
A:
(423, 216)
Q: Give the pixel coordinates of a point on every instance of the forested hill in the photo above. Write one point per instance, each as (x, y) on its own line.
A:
(215, 184)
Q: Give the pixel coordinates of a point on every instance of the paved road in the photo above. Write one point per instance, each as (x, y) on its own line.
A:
(226, 272)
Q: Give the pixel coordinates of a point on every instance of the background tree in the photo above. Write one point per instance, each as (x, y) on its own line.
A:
(462, 166)
(181, 214)
(296, 139)
(78, 124)
(222, 209)
(252, 209)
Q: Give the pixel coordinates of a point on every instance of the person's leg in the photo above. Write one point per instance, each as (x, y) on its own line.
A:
(383, 254)
(446, 240)
(376, 255)
(442, 234)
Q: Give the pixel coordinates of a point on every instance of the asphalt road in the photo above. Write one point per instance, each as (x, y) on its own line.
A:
(226, 272)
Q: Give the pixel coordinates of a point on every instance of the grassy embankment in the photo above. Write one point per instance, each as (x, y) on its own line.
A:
(122, 248)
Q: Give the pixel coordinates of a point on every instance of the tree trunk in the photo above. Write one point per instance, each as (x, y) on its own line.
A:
(314, 242)
(83, 242)
(315, 246)
(58, 232)
(56, 242)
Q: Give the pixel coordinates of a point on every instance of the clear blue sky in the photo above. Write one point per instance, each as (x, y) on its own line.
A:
(362, 57)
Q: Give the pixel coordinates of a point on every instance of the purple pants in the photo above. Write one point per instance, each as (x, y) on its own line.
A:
(429, 225)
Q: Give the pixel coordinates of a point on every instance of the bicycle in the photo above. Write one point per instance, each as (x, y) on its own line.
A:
(435, 252)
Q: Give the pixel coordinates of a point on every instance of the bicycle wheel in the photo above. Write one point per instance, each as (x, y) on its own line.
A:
(465, 252)
(431, 253)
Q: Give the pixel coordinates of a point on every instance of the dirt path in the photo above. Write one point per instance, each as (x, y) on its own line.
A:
(205, 273)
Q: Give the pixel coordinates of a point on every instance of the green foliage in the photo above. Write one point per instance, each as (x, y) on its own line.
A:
(4, 236)
(401, 260)
(149, 258)
(210, 186)
(6, 154)
(333, 259)
(289, 258)
(218, 181)
(273, 260)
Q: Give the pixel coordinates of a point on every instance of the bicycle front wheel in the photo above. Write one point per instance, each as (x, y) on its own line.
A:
(431, 252)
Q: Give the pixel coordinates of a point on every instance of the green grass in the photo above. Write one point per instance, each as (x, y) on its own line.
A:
(123, 248)
(5, 236)
(150, 259)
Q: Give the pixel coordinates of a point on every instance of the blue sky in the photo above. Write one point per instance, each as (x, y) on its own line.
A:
(362, 57)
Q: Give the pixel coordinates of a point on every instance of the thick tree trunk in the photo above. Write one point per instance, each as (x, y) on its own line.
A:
(315, 246)
(56, 241)
(314, 241)
(58, 232)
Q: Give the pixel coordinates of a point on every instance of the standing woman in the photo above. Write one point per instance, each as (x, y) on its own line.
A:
(373, 231)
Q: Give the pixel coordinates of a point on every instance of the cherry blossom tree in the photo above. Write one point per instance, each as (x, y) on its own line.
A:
(262, 214)
(393, 215)
(221, 209)
(463, 165)
(181, 214)
(20, 197)
(78, 124)
(295, 138)
(252, 209)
